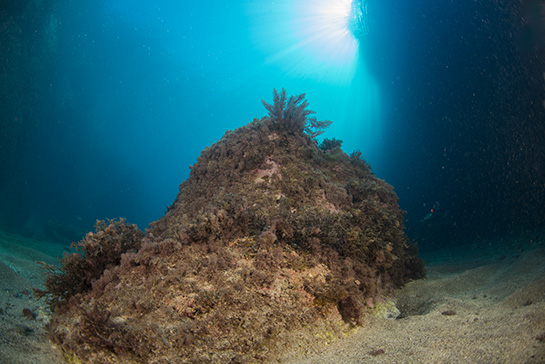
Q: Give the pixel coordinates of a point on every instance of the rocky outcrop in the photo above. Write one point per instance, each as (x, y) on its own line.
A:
(271, 240)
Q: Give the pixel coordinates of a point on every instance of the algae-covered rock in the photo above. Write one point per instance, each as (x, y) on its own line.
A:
(273, 240)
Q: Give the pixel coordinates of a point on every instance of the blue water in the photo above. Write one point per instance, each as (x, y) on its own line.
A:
(105, 104)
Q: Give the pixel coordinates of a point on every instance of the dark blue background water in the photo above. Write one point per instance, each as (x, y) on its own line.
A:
(106, 104)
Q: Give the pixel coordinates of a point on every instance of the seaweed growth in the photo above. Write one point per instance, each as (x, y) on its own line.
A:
(272, 237)
(293, 114)
(94, 254)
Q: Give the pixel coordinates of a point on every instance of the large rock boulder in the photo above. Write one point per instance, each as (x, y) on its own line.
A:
(274, 240)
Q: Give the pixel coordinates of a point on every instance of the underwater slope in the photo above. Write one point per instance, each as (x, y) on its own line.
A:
(23, 336)
(273, 237)
(489, 312)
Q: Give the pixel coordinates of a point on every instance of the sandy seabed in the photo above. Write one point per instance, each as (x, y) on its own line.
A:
(481, 303)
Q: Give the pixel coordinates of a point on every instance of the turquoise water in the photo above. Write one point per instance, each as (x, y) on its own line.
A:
(106, 104)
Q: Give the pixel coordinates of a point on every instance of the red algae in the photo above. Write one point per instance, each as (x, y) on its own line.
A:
(272, 235)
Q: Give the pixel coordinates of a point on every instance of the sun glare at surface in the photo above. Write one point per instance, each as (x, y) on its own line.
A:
(315, 46)
(324, 24)
(309, 38)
